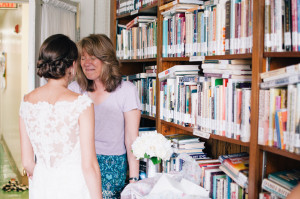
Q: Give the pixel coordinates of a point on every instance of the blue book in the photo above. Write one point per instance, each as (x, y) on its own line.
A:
(288, 179)
(228, 181)
(224, 157)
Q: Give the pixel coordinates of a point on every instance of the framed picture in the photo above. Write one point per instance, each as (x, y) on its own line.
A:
(3, 70)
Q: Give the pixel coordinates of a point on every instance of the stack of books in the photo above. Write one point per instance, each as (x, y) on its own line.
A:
(281, 183)
(281, 76)
(184, 144)
(236, 166)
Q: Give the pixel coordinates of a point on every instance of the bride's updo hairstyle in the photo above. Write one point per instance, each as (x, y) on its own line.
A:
(57, 53)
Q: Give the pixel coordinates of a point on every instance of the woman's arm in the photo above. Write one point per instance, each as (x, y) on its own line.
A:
(132, 123)
(90, 167)
(27, 153)
(295, 193)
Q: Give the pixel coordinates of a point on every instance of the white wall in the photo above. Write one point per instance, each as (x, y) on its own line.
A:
(16, 47)
(100, 23)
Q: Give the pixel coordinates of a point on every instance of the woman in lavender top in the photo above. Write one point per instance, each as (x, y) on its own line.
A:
(117, 111)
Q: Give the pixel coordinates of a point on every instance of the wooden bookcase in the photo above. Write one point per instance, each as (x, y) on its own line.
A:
(263, 159)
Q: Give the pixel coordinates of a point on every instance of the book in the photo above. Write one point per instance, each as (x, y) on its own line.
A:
(224, 157)
(226, 66)
(182, 138)
(275, 188)
(289, 69)
(241, 179)
(190, 145)
(192, 150)
(291, 79)
(288, 179)
(237, 164)
(170, 72)
(215, 178)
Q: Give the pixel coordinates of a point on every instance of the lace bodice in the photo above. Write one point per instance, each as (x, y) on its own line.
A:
(53, 129)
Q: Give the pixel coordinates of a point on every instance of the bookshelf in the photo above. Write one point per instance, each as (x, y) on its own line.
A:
(260, 157)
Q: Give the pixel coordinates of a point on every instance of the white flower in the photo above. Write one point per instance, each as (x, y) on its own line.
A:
(152, 144)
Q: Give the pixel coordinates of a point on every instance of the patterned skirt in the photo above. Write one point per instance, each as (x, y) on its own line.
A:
(113, 174)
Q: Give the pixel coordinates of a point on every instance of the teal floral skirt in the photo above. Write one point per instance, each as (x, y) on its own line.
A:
(113, 174)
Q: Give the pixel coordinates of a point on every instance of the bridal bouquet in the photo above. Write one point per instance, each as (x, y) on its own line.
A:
(152, 146)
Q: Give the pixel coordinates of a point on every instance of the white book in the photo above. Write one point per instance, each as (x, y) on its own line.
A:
(226, 66)
(229, 72)
(166, 73)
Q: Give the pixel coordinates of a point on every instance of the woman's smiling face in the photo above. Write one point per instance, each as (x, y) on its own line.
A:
(91, 66)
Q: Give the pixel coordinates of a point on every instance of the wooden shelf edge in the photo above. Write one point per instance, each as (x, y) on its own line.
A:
(280, 152)
(212, 136)
(188, 129)
(282, 54)
(148, 117)
(229, 140)
(236, 56)
(138, 12)
(137, 60)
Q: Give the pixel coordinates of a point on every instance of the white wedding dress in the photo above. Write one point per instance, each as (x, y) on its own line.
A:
(54, 134)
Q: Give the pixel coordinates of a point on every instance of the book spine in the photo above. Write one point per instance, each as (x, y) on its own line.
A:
(272, 187)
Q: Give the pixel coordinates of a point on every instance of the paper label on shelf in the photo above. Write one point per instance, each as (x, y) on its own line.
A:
(197, 58)
(285, 138)
(293, 79)
(213, 124)
(201, 79)
(261, 135)
(192, 120)
(297, 140)
(198, 121)
(199, 47)
(201, 134)
(134, 12)
(290, 69)
(287, 38)
(225, 76)
(238, 129)
(226, 44)
(172, 114)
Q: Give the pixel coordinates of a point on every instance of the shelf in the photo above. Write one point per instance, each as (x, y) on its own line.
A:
(137, 60)
(280, 152)
(149, 10)
(229, 140)
(237, 56)
(188, 129)
(212, 136)
(282, 54)
(148, 117)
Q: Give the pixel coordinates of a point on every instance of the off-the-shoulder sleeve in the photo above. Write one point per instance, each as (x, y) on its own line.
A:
(74, 86)
(82, 103)
(131, 97)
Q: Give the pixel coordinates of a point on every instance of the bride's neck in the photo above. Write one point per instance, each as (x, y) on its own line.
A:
(58, 83)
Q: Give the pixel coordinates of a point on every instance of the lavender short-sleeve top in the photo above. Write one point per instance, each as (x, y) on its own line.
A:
(109, 117)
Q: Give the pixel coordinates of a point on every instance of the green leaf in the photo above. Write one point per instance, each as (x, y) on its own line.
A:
(155, 160)
(146, 156)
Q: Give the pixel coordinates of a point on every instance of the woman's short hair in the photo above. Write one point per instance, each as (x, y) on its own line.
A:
(57, 53)
(100, 46)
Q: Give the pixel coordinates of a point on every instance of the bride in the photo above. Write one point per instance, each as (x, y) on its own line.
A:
(57, 130)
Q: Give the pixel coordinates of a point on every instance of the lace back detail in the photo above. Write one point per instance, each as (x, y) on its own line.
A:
(53, 129)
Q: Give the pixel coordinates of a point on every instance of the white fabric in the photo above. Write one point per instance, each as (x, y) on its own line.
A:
(54, 134)
(57, 18)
